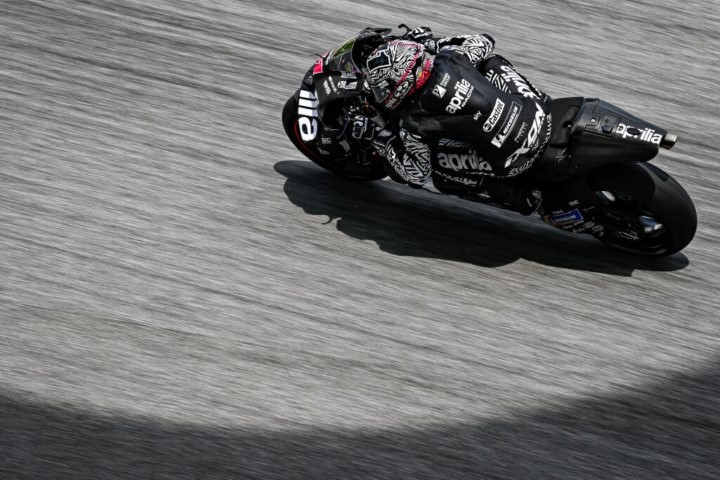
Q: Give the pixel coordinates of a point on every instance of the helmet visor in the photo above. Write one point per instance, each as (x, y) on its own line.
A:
(381, 88)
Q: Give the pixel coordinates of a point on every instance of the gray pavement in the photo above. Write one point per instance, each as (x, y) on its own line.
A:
(183, 295)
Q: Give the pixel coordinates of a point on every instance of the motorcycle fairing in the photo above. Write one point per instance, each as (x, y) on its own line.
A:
(589, 133)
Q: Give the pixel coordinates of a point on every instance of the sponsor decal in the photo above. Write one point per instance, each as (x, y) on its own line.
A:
(348, 75)
(444, 81)
(347, 86)
(580, 227)
(511, 76)
(507, 127)
(439, 91)
(562, 219)
(532, 137)
(457, 163)
(307, 116)
(477, 115)
(494, 117)
(646, 135)
(521, 132)
(521, 168)
(329, 86)
(463, 91)
(469, 181)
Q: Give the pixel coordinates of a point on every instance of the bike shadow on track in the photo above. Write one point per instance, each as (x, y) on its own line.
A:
(407, 222)
(668, 430)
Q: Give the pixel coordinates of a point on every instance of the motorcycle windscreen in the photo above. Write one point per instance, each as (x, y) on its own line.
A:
(345, 57)
(337, 75)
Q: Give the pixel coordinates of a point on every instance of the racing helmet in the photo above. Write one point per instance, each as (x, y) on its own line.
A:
(396, 70)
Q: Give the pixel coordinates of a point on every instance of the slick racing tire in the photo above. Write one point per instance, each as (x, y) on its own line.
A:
(643, 210)
(354, 170)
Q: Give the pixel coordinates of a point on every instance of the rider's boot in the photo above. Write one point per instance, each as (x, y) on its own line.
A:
(520, 198)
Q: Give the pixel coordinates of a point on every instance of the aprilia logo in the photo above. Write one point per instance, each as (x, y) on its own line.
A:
(511, 76)
(494, 116)
(647, 135)
(307, 115)
(463, 90)
(458, 163)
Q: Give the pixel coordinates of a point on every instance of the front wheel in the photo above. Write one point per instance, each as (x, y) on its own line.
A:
(643, 210)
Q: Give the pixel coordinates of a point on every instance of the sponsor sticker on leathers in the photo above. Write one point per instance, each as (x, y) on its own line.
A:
(507, 127)
(463, 91)
(463, 162)
(494, 117)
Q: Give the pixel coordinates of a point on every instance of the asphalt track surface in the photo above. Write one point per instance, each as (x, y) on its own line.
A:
(183, 295)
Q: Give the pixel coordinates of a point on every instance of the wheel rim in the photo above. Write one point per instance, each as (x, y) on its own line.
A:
(631, 226)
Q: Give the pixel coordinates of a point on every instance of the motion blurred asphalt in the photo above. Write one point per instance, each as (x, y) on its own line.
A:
(183, 295)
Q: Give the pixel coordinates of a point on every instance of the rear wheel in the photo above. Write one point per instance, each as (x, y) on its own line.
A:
(643, 210)
(364, 169)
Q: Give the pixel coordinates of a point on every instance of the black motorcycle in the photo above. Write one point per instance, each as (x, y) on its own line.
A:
(594, 176)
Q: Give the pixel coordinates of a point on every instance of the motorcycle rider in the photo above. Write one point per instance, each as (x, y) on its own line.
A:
(466, 118)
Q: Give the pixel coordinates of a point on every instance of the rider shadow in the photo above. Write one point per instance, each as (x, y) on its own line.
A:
(406, 222)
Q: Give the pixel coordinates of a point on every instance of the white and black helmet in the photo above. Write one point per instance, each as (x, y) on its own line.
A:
(397, 69)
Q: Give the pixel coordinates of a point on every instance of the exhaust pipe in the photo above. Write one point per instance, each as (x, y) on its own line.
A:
(668, 141)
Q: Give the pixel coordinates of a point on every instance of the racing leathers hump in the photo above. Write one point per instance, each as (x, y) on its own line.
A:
(475, 117)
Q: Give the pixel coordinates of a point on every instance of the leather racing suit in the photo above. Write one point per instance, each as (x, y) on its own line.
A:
(475, 117)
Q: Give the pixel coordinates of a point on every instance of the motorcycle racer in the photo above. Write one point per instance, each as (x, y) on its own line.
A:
(434, 118)
(467, 118)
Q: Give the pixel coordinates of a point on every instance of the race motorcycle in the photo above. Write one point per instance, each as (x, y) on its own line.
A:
(594, 177)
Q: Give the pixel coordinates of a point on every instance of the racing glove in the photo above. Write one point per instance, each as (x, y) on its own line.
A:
(363, 129)
(424, 36)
